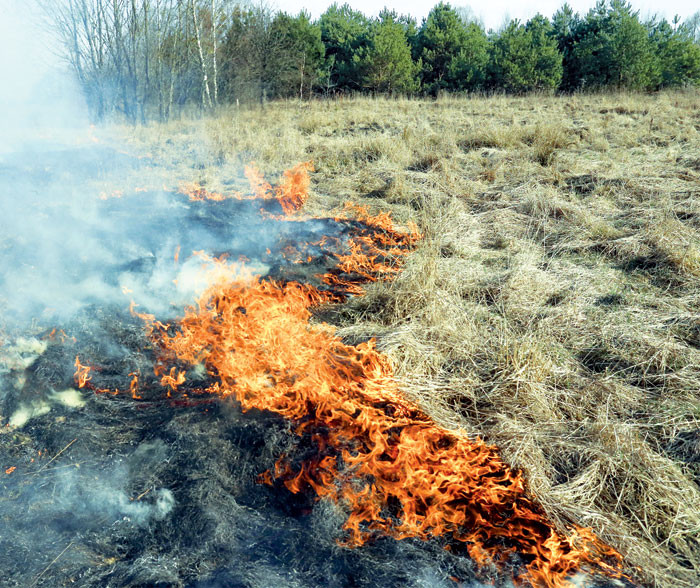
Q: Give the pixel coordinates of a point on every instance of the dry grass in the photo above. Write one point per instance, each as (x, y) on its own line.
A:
(554, 304)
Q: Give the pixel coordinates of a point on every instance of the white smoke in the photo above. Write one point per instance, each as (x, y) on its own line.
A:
(87, 494)
(38, 97)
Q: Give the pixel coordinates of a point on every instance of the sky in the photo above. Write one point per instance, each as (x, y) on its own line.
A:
(492, 12)
(27, 50)
(26, 57)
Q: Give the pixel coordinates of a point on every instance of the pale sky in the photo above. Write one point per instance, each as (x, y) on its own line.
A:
(491, 12)
(24, 49)
(25, 56)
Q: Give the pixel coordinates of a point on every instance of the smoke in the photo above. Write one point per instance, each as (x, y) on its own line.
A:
(84, 498)
(38, 94)
(63, 247)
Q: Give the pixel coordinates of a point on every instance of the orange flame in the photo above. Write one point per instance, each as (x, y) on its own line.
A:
(134, 385)
(291, 193)
(394, 470)
(376, 252)
(82, 373)
(293, 190)
(397, 472)
(172, 380)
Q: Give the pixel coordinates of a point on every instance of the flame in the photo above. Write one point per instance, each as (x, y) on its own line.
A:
(56, 334)
(291, 192)
(378, 455)
(197, 193)
(82, 373)
(173, 379)
(397, 472)
(376, 251)
(134, 385)
(9, 470)
(256, 180)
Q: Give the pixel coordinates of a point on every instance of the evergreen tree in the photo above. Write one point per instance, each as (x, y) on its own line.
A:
(611, 47)
(547, 57)
(678, 55)
(343, 32)
(526, 58)
(564, 24)
(467, 70)
(441, 38)
(299, 55)
(385, 63)
(248, 54)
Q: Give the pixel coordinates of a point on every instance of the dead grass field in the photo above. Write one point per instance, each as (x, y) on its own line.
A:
(554, 304)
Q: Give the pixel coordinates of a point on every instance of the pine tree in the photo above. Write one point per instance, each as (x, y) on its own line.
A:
(564, 23)
(526, 58)
(300, 54)
(386, 63)
(343, 32)
(467, 70)
(677, 54)
(441, 38)
(612, 47)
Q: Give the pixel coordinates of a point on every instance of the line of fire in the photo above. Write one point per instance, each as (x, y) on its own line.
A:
(240, 441)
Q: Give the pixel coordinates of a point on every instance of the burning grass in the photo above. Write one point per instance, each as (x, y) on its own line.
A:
(550, 308)
(378, 455)
(401, 475)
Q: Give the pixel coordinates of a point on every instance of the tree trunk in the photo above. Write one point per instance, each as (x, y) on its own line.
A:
(205, 79)
(215, 81)
(301, 81)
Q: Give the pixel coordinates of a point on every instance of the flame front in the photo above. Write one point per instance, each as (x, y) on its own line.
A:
(291, 193)
(395, 471)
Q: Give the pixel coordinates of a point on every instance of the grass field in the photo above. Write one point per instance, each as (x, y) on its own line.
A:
(553, 306)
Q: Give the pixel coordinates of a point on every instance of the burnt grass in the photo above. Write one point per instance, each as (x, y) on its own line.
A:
(167, 492)
(162, 492)
(551, 308)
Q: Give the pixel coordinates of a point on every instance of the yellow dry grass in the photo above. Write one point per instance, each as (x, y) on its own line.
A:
(554, 304)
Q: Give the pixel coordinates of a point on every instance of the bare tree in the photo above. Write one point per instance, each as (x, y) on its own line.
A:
(205, 78)
(214, 33)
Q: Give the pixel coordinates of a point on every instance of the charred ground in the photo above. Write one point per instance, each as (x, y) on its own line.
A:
(552, 308)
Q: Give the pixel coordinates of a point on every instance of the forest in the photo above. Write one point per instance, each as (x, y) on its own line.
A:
(150, 59)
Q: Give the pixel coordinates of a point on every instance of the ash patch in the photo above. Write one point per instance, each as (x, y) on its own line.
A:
(167, 494)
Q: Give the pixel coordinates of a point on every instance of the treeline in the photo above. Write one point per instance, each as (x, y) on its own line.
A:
(151, 58)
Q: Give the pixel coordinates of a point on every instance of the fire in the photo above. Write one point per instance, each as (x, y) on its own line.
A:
(378, 455)
(82, 373)
(199, 193)
(290, 193)
(134, 385)
(397, 472)
(376, 251)
(293, 190)
(173, 379)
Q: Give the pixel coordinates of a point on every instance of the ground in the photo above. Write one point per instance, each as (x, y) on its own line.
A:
(553, 306)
